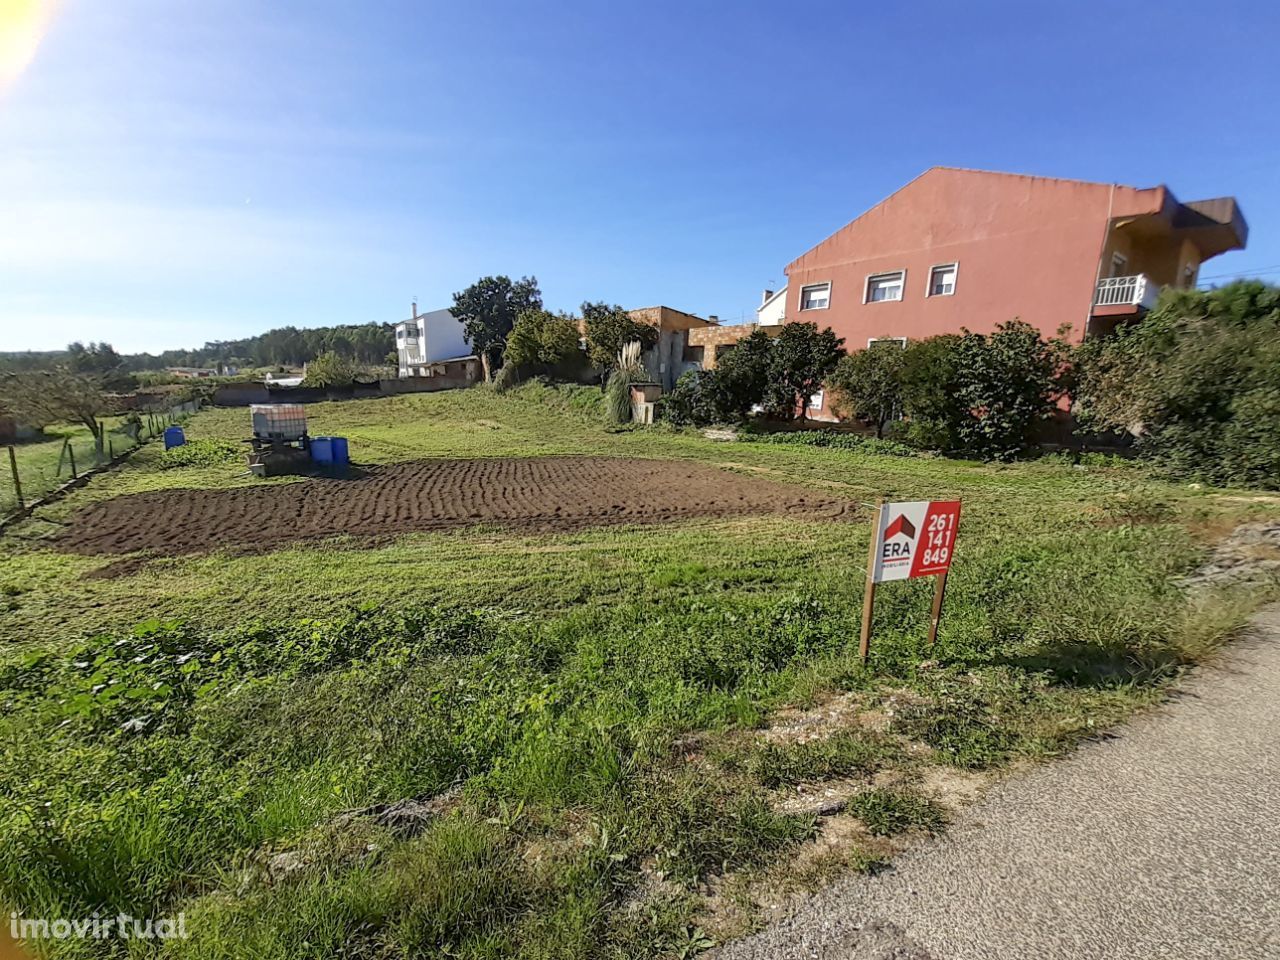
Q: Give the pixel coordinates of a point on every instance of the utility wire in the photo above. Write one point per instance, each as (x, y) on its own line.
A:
(1273, 268)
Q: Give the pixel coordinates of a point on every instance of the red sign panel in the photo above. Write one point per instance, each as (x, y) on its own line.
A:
(916, 539)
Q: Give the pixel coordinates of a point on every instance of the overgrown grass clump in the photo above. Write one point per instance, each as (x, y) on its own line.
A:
(835, 439)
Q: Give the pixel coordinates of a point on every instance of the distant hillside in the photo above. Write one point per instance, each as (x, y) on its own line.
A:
(288, 346)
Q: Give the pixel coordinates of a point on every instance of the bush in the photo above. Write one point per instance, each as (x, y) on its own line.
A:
(729, 392)
(609, 328)
(694, 401)
(544, 342)
(1008, 383)
(1197, 382)
(929, 389)
(330, 370)
(867, 384)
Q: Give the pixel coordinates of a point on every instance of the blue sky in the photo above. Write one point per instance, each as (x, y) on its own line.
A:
(172, 173)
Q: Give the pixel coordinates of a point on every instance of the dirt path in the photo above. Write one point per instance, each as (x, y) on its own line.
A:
(1163, 841)
(532, 494)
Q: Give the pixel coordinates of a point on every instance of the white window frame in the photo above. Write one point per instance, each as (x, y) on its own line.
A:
(901, 341)
(814, 286)
(884, 275)
(954, 267)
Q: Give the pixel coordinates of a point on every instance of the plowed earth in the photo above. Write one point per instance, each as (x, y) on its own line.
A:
(536, 494)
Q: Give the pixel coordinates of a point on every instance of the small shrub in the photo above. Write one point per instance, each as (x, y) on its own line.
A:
(837, 756)
(886, 812)
(202, 453)
(617, 392)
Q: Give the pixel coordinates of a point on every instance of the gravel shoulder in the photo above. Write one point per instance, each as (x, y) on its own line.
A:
(1162, 840)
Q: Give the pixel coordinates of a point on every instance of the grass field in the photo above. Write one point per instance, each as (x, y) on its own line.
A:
(478, 744)
(42, 464)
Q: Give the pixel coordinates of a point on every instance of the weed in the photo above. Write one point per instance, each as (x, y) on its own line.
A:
(844, 754)
(887, 812)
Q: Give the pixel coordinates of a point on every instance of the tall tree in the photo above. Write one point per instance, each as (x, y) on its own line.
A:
(487, 311)
(802, 357)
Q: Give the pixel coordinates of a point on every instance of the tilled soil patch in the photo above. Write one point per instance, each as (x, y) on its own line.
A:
(534, 494)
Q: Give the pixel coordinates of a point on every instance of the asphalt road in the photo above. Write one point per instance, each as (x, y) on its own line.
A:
(1162, 841)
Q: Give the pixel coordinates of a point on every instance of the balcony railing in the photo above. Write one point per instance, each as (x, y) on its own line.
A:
(1136, 291)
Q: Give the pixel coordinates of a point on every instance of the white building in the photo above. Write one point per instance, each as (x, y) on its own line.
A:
(773, 308)
(427, 338)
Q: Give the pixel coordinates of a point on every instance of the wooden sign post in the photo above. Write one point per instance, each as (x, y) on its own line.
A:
(869, 597)
(914, 539)
(17, 482)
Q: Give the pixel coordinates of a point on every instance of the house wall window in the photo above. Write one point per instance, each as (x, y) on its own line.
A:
(885, 286)
(899, 342)
(815, 296)
(942, 280)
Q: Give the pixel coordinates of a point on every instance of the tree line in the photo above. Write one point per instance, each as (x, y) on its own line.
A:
(360, 343)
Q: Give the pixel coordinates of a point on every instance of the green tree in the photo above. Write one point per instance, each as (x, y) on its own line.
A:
(488, 310)
(57, 395)
(608, 328)
(545, 342)
(1197, 382)
(1008, 382)
(930, 388)
(101, 361)
(867, 384)
(330, 370)
(801, 358)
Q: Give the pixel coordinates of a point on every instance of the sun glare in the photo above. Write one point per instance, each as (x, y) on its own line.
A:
(22, 27)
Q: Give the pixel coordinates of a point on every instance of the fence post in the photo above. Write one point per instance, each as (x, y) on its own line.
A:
(17, 484)
(71, 454)
(62, 455)
(111, 449)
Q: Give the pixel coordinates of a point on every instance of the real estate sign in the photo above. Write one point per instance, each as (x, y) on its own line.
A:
(915, 539)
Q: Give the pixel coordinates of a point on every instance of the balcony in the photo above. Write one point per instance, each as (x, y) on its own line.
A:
(1119, 295)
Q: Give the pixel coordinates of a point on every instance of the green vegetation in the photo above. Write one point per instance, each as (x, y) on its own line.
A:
(981, 395)
(202, 453)
(45, 463)
(838, 439)
(777, 373)
(1198, 381)
(727, 393)
(330, 369)
(608, 328)
(488, 310)
(544, 343)
(478, 744)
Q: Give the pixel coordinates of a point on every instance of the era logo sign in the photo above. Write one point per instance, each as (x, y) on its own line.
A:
(915, 539)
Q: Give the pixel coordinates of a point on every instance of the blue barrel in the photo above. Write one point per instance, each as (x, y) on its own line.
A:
(174, 437)
(322, 450)
(340, 458)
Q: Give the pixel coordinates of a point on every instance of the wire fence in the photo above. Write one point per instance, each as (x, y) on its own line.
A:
(66, 452)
